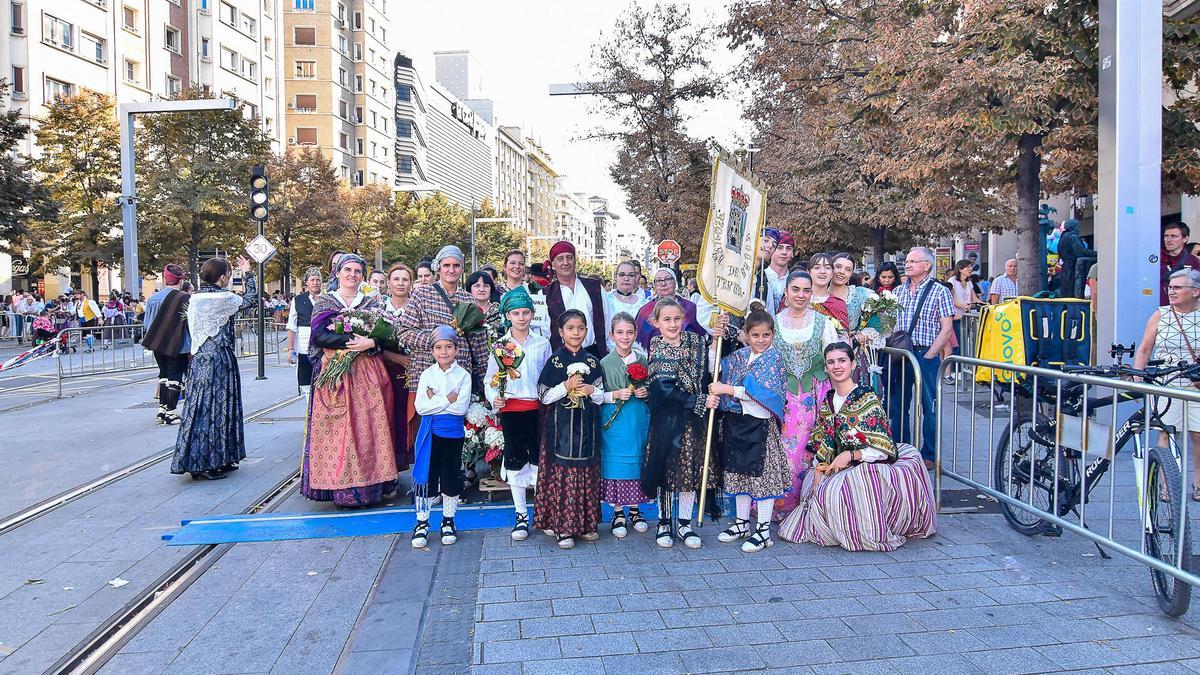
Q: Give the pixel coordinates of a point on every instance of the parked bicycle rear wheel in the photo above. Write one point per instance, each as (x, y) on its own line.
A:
(1163, 496)
(1027, 456)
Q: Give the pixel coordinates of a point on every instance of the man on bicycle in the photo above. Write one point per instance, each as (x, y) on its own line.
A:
(1173, 335)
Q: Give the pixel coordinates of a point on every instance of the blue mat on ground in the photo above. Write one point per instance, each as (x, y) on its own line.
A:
(236, 529)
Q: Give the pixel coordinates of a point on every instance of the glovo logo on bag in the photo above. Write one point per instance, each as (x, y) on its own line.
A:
(1001, 339)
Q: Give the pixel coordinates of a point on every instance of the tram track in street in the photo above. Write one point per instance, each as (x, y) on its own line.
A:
(26, 515)
(91, 654)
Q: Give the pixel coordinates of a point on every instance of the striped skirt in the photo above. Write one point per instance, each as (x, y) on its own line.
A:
(870, 507)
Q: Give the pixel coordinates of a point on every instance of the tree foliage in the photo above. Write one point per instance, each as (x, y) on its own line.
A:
(306, 211)
(194, 173)
(22, 198)
(425, 225)
(81, 165)
(644, 72)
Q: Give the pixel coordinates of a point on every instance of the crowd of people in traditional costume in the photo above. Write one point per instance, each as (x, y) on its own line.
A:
(636, 399)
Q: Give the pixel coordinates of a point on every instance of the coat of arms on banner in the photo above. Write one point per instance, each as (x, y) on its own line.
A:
(738, 203)
(735, 221)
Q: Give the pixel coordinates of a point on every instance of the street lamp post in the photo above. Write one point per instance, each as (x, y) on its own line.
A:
(133, 282)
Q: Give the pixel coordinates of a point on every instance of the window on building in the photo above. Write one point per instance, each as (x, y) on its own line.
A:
(249, 25)
(358, 114)
(304, 36)
(251, 111)
(249, 69)
(229, 59)
(57, 32)
(344, 110)
(172, 39)
(342, 76)
(174, 86)
(358, 51)
(268, 45)
(344, 141)
(374, 149)
(403, 92)
(204, 49)
(358, 83)
(357, 21)
(57, 88)
(269, 125)
(228, 14)
(306, 102)
(17, 18)
(204, 6)
(130, 18)
(306, 135)
(306, 70)
(385, 125)
(132, 71)
(18, 80)
(374, 87)
(343, 44)
(268, 8)
(92, 47)
(404, 128)
(305, 5)
(406, 164)
(383, 35)
(358, 146)
(269, 86)
(358, 177)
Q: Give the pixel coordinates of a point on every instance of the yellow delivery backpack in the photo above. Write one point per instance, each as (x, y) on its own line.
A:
(1042, 332)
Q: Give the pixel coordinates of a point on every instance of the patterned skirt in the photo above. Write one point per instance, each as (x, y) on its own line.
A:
(623, 492)
(211, 432)
(567, 499)
(776, 477)
(800, 413)
(685, 475)
(873, 506)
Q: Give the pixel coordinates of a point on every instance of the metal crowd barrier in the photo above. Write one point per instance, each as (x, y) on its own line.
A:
(1069, 429)
(26, 321)
(116, 349)
(909, 423)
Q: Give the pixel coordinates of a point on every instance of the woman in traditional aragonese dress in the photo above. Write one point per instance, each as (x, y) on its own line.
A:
(404, 432)
(802, 334)
(211, 437)
(865, 493)
(568, 483)
(349, 456)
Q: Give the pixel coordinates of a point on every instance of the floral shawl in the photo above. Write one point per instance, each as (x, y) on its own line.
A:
(862, 422)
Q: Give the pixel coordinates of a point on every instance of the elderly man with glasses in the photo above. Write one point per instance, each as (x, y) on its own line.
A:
(927, 316)
(1173, 335)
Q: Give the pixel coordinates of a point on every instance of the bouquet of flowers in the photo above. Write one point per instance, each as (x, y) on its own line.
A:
(483, 434)
(372, 323)
(468, 318)
(879, 314)
(574, 396)
(638, 376)
(508, 355)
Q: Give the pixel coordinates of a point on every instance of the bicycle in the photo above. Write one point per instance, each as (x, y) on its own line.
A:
(1028, 468)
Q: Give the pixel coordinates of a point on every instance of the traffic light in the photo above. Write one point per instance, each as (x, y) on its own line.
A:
(258, 194)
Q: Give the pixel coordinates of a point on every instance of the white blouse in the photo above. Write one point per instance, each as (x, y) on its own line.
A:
(537, 352)
(443, 382)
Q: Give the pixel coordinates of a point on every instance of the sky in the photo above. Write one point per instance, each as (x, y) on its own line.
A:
(527, 45)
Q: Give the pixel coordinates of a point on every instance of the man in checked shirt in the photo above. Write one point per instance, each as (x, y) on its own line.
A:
(928, 312)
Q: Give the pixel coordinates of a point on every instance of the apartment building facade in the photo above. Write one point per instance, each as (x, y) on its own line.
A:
(512, 175)
(541, 185)
(338, 88)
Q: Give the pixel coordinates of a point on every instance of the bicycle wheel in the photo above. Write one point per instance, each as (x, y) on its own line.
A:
(1032, 467)
(1163, 497)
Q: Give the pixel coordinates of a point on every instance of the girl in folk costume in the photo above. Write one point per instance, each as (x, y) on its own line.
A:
(398, 363)
(211, 437)
(675, 445)
(756, 467)
(568, 494)
(802, 335)
(865, 493)
(625, 420)
(514, 394)
(851, 298)
(820, 268)
(443, 395)
(349, 458)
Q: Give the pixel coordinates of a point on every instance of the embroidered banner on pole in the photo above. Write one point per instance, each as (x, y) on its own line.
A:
(736, 215)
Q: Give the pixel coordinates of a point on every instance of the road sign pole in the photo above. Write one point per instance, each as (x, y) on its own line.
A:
(262, 319)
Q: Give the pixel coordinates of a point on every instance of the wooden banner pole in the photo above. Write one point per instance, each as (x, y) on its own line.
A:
(712, 415)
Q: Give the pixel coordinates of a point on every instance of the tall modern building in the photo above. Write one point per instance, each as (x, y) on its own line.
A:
(138, 50)
(512, 175)
(338, 85)
(440, 140)
(573, 221)
(606, 225)
(542, 182)
(465, 77)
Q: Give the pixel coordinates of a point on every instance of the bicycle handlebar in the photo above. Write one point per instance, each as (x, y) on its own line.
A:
(1153, 373)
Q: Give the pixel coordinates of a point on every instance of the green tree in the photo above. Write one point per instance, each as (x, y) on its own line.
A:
(370, 214)
(22, 198)
(425, 225)
(194, 180)
(306, 211)
(81, 165)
